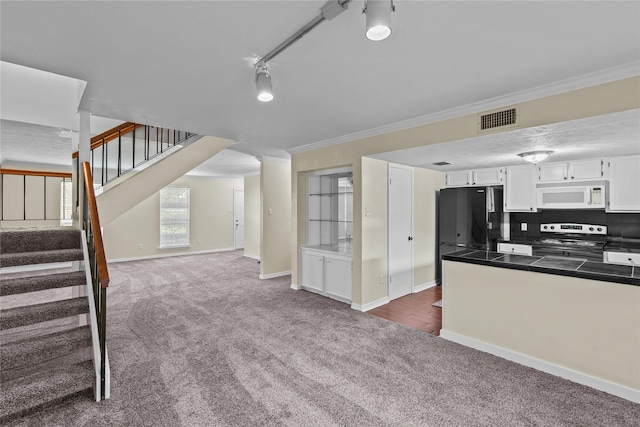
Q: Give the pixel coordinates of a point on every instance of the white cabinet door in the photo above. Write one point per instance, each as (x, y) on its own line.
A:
(519, 189)
(338, 277)
(552, 172)
(458, 179)
(514, 248)
(586, 169)
(624, 184)
(491, 176)
(312, 270)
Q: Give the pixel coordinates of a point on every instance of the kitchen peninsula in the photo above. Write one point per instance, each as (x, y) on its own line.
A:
(575, 319)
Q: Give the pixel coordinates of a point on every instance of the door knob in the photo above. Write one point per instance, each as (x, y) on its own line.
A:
(410, 238)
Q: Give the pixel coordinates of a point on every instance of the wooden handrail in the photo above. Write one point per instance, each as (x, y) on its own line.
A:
(34, 173)
(109, 135)
(103, 271)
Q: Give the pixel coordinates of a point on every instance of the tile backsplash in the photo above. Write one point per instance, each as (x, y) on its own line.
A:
(625, 225)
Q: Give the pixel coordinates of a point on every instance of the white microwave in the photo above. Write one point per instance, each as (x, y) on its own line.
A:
(567, 196)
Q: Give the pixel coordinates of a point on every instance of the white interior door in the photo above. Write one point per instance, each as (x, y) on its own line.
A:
(238, 218)
(400, 231)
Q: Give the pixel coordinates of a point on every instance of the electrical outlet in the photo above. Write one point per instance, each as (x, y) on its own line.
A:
(523, 226)
(140, 245)
(381, 279)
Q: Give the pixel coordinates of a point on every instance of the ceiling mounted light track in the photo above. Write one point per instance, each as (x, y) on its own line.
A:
(378, 28)
(378, 18)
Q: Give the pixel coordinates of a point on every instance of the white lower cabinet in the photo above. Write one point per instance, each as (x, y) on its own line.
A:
(326, 273)
(312, 270)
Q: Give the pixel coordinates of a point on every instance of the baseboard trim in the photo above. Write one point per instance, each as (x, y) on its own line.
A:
(544, 366)
(257, 258)
(424, 286)
(140, 258)
(296, 287)
(370, 305)
(35, 267)
(273, 275)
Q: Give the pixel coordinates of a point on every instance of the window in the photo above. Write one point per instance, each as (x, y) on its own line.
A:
(174, 217)
(66, 202)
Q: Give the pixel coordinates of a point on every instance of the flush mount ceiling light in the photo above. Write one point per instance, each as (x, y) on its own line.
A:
(378, 18)
(263, 83)
(535, 156)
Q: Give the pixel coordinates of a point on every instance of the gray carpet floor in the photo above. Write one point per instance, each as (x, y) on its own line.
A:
(201, 341)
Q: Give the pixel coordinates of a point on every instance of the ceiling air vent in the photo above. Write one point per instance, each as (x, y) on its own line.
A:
(442, 163)
(498, 119)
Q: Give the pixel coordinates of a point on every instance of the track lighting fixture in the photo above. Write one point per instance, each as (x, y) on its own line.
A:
(378, 18)
(535, 157)
(263, 82)
(378, 28)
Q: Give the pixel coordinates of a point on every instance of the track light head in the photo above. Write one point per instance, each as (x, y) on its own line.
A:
(378, 18)
(263, 83)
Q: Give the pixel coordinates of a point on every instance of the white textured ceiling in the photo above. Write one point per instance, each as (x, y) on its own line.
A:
(600, 136)
(188, 65)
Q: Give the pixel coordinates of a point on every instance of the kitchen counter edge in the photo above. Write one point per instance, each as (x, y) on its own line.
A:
(460, 257)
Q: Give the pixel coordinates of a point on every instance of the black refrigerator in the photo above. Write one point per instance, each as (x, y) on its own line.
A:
(468, 217)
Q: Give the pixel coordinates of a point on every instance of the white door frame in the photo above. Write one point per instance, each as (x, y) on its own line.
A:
(235, 196)
(389, 230)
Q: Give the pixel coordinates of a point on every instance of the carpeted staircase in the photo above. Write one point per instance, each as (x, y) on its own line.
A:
(45, 357)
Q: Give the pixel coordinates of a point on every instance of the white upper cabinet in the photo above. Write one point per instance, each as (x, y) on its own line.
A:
(552, 172)
(574, 170)
(586, 169)
(491, 176)
(519, 189)
(476, 177)
(458, 179)
(624, 184)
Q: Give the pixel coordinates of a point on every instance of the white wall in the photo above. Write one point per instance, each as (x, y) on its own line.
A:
(252, 216)
(275, 227)
(29, 201)
(211, 221)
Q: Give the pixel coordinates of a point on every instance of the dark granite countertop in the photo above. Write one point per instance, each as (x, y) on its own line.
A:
(563, 266)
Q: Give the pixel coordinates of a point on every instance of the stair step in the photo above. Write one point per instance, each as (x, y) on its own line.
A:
(20, 285)
(34, 350)
(36, 313)
(41, 389)
(13, 259)
(39, 239)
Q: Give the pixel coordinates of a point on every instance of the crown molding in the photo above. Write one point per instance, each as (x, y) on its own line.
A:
(567, 85)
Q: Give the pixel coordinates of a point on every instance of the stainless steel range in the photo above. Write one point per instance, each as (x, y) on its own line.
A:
(584, 241)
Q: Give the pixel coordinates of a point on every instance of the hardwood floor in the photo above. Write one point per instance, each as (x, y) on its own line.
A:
(415, 311)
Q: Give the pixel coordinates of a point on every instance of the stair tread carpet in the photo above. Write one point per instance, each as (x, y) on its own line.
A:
(44, 388)
(21, 285)
(35, 350)
(30, 314)
(39, 239)
(13, 259)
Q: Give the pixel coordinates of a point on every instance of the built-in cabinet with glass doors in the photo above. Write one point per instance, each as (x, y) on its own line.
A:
(325, 261)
